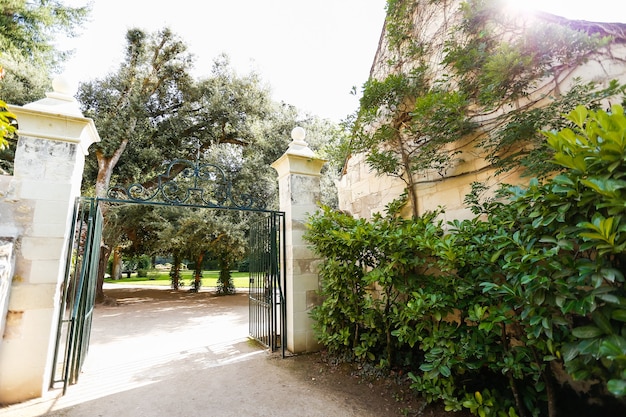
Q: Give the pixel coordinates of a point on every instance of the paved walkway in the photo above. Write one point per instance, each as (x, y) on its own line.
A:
(162, 353)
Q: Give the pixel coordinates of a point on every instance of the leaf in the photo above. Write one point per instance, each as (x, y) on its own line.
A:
(602, 322)
(612, 274)
(604, 186)
(617, 387)
(587, 332)
(479, 397)
(619, 315)
(613, 346)
(569, 353)
(578, 115)
(609, 298)
(496, 255)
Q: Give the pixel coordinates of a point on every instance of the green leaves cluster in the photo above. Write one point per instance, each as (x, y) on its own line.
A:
(489, 313)
(369, 268)
(487, 87)
(7, 125)
(28, 52)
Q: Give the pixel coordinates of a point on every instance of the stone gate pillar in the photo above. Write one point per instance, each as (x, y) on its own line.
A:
(299, 189)
(49, 160)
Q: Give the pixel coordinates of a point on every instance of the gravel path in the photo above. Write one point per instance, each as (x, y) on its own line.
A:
(165, 353)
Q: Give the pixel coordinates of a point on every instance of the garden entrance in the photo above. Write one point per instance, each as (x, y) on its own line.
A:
(184, 184)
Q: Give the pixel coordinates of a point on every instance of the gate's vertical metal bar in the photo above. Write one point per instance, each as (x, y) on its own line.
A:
(252, 282)
(67, 294)
(276, 271)
(87, 302)
(273, 281)
(256, 293)
(282, 278)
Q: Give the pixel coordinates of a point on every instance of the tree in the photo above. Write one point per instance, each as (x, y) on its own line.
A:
(217, 232)
(132, 106)
(7, 121)
(169, 241)
(29, 55)
(135, 105)
(151, 112)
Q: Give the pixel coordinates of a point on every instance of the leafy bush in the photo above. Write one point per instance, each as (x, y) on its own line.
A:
(244, 265)
(499, 311)
(144, 262)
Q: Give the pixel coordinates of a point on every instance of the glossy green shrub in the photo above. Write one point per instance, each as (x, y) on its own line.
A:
(369, 268)
(485, 315)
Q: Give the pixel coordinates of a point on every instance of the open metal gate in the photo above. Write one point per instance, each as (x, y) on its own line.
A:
(78, 292)
(267, 316)
(184, 184)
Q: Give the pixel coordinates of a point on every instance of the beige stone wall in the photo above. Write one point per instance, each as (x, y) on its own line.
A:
(362, 192)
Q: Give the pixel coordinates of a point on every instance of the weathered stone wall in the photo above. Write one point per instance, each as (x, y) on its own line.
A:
(362, 192)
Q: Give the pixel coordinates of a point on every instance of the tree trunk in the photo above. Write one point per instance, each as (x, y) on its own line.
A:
(175, 272)
(105, 251)
(197, 279)
(116, 269)
(105, 170)
(549, 381)
(224, 282)
(410, 181)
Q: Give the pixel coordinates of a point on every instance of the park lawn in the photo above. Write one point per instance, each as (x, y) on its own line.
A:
(209, 279)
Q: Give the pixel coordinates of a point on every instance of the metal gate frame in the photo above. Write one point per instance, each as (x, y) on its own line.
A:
(184, 184)
(78, 292)
(266, 293)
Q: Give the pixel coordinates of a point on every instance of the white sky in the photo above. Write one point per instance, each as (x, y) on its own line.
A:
(310, 52)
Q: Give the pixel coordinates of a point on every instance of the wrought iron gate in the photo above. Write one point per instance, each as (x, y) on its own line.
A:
(184, 184)
(267, 315)
(78, 292)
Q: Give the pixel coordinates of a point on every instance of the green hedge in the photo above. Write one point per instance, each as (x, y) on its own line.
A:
(495, 313)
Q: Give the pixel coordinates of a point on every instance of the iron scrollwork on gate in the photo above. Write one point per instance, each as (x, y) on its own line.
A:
(187, 183)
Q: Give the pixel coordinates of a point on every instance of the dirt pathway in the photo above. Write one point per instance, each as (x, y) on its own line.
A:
(165, 353)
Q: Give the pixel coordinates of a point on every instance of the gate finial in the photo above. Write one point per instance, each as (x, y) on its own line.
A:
(298, 146)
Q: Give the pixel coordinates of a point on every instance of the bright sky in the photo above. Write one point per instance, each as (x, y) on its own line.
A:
(310, 52)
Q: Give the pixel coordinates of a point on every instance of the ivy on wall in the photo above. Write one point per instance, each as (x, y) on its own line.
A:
(482, 76)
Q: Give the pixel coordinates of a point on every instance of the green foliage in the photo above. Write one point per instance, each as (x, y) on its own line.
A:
(7, 125)
(370, 268)
(484, 314)
(485, 89)
(244, 265)
(29, 54)
(224, 119)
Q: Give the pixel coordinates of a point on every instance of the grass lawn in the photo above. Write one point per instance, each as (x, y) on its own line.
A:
(209, 278)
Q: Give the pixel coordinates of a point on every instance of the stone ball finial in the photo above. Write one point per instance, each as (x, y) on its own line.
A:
(62, 84)
(61, 100)
(298, 146)
(298, 134)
